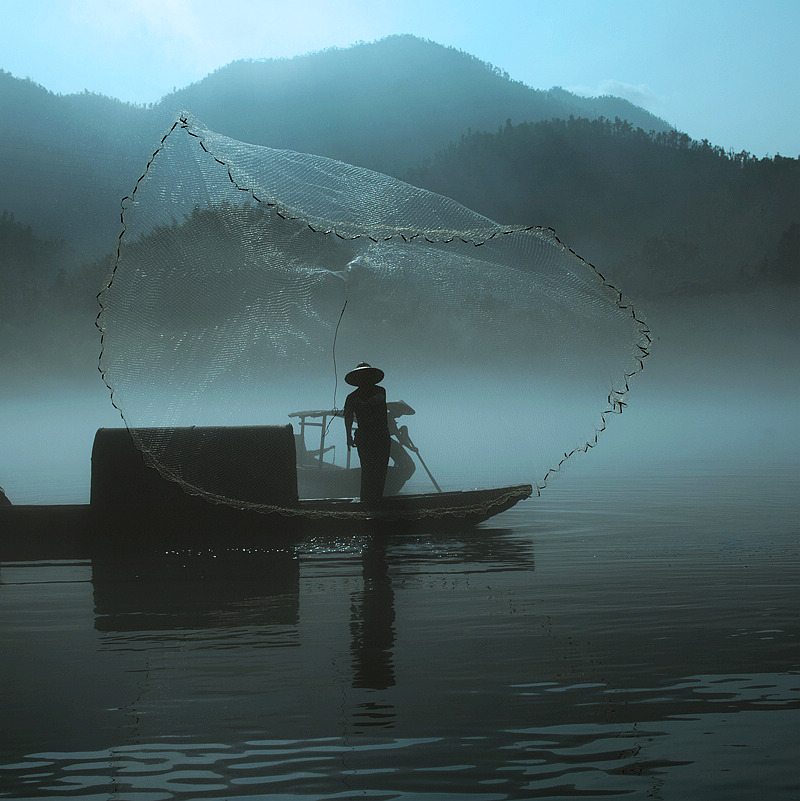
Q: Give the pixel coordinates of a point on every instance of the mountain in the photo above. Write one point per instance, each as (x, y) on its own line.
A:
(68, 160)
(383, 105)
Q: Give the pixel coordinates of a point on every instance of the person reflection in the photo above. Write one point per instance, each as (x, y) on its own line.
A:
(372, 621)
(367, 404)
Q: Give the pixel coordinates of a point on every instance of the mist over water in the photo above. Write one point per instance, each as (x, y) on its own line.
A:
(719, 387)
(46, 442)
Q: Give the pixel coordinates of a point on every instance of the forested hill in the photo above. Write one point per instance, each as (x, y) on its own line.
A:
(659, 212)
(68, 160)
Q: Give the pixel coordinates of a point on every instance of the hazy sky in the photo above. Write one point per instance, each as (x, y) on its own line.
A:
(725, 71)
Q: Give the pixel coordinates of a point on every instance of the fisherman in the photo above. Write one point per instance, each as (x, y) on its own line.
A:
(367, 403)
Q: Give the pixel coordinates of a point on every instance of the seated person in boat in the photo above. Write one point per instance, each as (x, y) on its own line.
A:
(403, 466)
(367, 404)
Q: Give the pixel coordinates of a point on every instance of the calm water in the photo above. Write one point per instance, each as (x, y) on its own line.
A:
(632, 637)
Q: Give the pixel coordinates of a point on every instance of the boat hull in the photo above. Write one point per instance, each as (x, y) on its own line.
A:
(79, 531)
(462, 507)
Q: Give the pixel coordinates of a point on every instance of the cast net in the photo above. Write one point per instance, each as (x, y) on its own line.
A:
(248, 280)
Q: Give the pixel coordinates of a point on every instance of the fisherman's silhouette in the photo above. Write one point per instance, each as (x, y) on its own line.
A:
(367, 404)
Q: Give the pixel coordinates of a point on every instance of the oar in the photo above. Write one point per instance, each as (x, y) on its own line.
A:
(422, 462)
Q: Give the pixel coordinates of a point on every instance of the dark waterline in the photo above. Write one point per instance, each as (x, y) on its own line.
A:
(629, 638)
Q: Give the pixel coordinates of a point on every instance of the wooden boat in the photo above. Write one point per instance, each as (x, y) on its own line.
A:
(132, 504)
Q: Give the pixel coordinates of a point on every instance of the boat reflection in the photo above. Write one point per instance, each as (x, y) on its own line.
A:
(196, 589)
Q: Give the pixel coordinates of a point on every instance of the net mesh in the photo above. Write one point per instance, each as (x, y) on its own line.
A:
(248, 280)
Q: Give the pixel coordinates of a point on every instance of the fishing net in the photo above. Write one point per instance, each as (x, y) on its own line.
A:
(248, 280)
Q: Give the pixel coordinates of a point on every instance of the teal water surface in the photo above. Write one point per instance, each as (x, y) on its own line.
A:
(631, 636)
